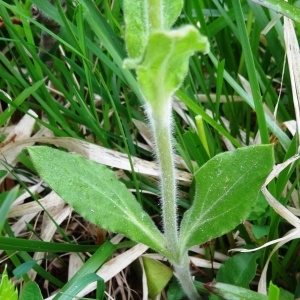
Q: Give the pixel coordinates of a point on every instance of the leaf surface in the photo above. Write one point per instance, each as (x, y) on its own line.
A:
(158, 275)
(95, 193)
(7, 288)
(31, 292)
(165, 63)
(227, 187)
(238, 270)
(144, 16)
(231, 292)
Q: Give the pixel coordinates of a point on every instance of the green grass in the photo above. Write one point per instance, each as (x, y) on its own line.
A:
(88, 96)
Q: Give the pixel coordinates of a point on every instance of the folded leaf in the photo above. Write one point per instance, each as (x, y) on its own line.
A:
(165, 63)
(158, 275)
(95, 193)
(144, 16)
(227, 187)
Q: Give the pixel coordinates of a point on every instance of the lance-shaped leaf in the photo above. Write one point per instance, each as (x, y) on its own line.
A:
(229, 292)
(227, 186)
(144, 16)
(95, 193)
(165, 63)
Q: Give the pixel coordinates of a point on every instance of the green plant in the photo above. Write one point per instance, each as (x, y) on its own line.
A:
(226, 186)
(282, 7)
(7, 288)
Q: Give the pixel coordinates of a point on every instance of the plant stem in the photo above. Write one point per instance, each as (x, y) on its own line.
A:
(162, 134)
(183, 275)
(161, 122)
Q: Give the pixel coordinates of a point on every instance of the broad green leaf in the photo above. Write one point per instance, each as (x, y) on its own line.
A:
(165, 63)
(231, 292)
(95, 193)
(7, 288)
(175, 291)
(286, 295)
(158, 275)
(239, 269)
(260, 209)
(31, 292)
(227, 186)
(260, 230)
(144, 16)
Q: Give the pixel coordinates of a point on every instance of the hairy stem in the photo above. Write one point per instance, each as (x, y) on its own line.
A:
(182, 273)
(162, 134)
(161, 122)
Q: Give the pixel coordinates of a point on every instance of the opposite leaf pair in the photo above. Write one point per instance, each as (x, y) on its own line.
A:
(226, 188)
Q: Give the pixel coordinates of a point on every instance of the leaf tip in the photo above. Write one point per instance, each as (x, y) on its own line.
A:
(209, 286)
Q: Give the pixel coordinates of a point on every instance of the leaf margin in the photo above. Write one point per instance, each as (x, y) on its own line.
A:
(185, 230)
(152, 237)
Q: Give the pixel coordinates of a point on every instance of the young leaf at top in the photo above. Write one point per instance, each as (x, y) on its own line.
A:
(165, 63)
(145, 16)
(95, 193)
(227, 186)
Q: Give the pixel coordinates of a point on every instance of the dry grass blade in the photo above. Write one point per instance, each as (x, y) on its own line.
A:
(278, 207)
(59, 214)
(99, 154)
(51, 200)
(283, 212)
(292, 51)
(22, 131)
(289, 236)
(113, 267)
(144, 280)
